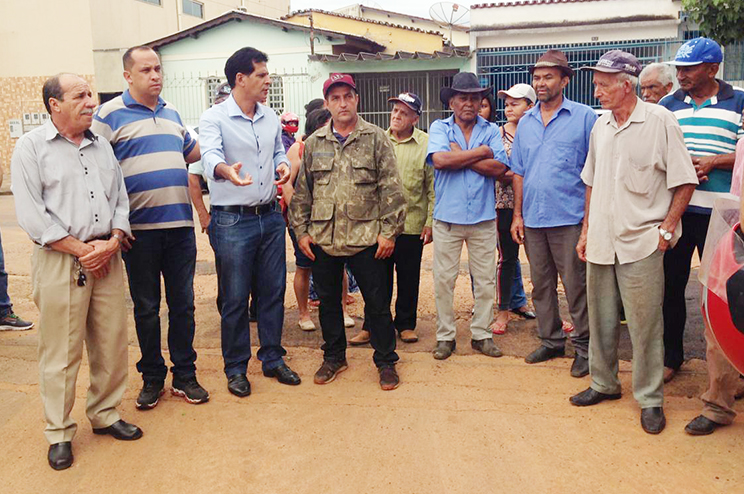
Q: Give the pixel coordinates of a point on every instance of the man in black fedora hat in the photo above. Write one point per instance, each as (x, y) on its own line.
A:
(467, 155)
(547, 157)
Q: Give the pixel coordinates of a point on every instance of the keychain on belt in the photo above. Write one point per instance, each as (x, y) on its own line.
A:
(80, 275)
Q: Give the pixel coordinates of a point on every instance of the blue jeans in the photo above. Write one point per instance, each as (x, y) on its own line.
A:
(5, 306)
(172, 252)
(250, 248)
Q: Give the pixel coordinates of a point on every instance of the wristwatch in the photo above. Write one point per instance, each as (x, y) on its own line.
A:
(665, 234)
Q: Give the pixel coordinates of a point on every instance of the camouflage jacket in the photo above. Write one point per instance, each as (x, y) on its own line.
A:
(347, 195)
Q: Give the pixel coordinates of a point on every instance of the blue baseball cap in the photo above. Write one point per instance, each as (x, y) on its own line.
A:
(697, 51)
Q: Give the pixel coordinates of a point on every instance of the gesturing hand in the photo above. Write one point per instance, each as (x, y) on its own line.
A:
(232, 173)
(283, 171)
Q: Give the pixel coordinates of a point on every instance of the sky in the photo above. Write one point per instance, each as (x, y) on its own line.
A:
(416, 7)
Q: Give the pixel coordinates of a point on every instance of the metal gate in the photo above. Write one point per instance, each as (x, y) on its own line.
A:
(375, 89)
(504, 67)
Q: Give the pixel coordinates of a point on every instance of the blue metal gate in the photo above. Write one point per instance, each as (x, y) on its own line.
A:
(504, 67)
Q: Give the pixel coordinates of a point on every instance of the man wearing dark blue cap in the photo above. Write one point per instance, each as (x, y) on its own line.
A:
(709, 111)
(639, 179)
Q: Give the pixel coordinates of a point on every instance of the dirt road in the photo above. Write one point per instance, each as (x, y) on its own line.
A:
(468, 424)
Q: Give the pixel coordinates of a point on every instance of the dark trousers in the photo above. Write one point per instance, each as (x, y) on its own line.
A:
(509, 272)
(5, 306)
(406, 262)
(172, 253)
(371, 276)
(250, 250)
(676, 274)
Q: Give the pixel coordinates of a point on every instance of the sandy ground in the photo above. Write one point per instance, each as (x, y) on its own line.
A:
(468, 424)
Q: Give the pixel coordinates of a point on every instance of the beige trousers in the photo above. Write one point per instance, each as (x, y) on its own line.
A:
(70, 314)
(481, 241)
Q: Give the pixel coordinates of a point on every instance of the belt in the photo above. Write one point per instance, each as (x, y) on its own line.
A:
(248, 210)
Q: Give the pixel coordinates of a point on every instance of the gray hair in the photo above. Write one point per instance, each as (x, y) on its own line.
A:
(664, 73)
(622, 77)
(53, 89)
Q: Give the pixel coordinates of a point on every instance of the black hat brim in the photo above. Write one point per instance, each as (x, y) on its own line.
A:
(446, 93)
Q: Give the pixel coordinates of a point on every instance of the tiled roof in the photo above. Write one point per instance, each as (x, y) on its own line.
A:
(519, 3)
(362, 19)
(239, 16)
(399, 55)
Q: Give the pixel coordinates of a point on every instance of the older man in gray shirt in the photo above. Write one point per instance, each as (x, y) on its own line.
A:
(70, 199)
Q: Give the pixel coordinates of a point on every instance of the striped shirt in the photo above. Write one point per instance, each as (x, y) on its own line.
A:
(150, 146)
(710, 129)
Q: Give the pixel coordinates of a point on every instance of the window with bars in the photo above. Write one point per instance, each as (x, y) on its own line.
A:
(276, 94)
(212, 84)
(190, 7)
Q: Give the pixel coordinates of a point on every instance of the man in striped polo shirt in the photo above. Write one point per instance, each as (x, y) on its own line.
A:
(709, 112)
(151, 143)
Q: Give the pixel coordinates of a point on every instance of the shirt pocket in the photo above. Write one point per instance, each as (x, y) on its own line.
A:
(565, 156)
(639, 178)
(364, 225)
(321, 169)
(321, 222)
(363, 172)
(412, 179)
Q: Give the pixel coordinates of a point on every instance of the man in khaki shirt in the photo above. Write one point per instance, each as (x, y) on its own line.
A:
(639, 178)
(348, 207)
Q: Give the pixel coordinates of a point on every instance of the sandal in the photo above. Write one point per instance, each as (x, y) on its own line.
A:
(524, 313)
(567, 327)
(306, 325)
(497, 327)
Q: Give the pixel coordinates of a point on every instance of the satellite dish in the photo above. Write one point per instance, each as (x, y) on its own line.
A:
(448, 15)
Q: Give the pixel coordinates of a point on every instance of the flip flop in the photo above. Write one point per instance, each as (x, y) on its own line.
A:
(567, 327)
(497, 327)
(306, 325)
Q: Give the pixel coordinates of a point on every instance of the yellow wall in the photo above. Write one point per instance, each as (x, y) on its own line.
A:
(393, 38)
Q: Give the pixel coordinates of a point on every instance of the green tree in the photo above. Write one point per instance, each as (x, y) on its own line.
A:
(721, 20)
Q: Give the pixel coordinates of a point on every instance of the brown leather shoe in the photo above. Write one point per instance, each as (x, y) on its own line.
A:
(361, 338)
(389, 379)
(669, 374)
(329, 370)
(408, 336)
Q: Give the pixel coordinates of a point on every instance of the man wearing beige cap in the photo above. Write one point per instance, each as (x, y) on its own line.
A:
(639, 178)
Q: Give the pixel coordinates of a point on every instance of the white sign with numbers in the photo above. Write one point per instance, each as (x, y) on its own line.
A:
(16, 128)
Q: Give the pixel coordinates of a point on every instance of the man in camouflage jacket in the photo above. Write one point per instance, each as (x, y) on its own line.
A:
(349, 207)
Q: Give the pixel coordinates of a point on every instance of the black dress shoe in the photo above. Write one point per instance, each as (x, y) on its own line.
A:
(239, 385)
(590, 397)
(283, 374)
(543, 354)
(526, 314)
(60, 455)
(653, 420)
(121, 430)
(580, 366)
(702, 426)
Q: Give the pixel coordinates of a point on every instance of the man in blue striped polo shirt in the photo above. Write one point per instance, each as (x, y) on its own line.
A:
(151, 144)
(709, 112)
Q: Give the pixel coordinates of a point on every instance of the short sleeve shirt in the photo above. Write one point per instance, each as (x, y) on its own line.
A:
(633, 170)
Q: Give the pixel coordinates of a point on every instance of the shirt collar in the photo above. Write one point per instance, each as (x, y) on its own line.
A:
(51, 132)
(638, 115)
(234, 110)
(130, 102)
(567, 105)
(416, 136)
(725, 91)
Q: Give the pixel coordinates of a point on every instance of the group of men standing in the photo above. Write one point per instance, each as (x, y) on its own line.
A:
(596, 201)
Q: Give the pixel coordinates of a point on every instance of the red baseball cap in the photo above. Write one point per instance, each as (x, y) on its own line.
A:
(338, 79)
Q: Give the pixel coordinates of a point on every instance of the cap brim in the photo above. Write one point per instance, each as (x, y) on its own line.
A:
(683, 64)
(352, 86)
(606, 70)
(398, 100)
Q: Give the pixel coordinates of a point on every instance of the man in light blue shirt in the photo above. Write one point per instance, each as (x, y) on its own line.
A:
(467, 155)
(243, 154)
(547, 158)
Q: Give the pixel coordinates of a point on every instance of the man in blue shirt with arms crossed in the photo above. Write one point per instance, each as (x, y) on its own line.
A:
(467, 155)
